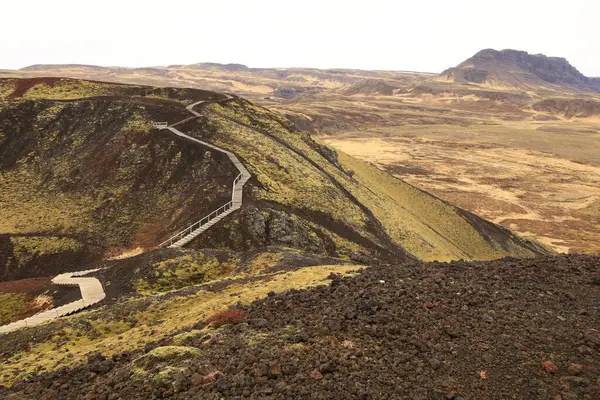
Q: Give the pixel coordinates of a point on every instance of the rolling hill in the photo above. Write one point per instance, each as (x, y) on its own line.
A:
(275, 301)
(87, 182)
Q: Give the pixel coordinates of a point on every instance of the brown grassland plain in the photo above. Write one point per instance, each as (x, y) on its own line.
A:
(538, 178)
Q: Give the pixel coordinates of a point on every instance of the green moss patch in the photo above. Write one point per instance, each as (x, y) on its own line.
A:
(164, 355)
(13, 306)
(189, 269)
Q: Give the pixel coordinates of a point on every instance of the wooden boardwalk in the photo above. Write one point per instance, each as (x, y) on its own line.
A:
(92, 292)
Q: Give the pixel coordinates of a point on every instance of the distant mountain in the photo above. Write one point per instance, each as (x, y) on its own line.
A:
(595, 84)
(518, 69)
(225, 67)
(46, 67)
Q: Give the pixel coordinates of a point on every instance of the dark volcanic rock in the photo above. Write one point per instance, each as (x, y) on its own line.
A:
(370, 337)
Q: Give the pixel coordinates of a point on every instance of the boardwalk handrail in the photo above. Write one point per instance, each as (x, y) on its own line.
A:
(204, 220)
(197, 224)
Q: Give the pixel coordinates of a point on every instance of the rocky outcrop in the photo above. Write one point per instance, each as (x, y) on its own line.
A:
(550, 69)
(271, 227)
(389, 332)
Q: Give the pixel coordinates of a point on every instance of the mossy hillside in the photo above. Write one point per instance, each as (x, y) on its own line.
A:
(27, 207)
(27, 248)
(42, 256)
(264, 261)
(290, 172)
(7, 87)
(186, 270)
(300, 174)
(24, 256)
(71, 89)
(13, 306)
(285, 176)
(165, 270)
(139, 320)
(93, 170)
(65, 89)
(423, 224)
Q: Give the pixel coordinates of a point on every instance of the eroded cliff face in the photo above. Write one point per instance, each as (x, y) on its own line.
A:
(550, 69)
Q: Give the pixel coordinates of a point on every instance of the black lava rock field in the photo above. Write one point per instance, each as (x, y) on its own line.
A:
(507, 329)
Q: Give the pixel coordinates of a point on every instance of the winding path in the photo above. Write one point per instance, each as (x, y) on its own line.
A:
(191, 232)
(91, 289)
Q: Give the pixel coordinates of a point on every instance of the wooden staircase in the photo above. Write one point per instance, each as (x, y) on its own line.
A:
(91, 293)
(91, 288)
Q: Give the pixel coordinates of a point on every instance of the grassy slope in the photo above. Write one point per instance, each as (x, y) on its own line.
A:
(423, 225)
(291, 173)
(13, 306)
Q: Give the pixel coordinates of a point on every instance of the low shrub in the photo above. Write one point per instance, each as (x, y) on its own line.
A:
(231, 316)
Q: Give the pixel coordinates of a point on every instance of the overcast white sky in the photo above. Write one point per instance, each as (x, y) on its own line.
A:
(418, 35)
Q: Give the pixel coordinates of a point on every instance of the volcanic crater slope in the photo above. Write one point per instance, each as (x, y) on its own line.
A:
(85, 174)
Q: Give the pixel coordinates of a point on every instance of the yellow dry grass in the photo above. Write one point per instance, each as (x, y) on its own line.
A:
(166, 317)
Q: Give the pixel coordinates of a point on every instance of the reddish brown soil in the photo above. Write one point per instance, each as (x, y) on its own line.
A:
(508, 329)
(23, 85)
(33, 285)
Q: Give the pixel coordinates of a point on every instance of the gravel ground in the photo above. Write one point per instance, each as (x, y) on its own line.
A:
(508, 329)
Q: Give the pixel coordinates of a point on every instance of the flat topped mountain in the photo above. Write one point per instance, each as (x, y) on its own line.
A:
(518, 69)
